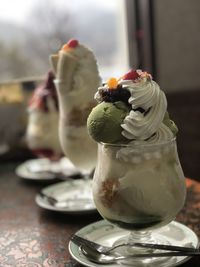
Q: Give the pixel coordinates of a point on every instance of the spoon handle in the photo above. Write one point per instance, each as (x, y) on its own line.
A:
(157, 255)
(161, 247)
(104, 249)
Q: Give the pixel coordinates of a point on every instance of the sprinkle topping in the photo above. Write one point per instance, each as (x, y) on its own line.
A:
(147, 75)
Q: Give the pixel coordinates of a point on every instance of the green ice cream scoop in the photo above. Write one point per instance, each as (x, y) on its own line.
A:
(104, 122)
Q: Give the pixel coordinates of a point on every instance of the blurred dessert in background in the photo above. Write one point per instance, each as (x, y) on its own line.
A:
(12, 117)
(77, 78)
(42, 127)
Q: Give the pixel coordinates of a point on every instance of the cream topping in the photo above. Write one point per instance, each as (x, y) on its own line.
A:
(136, 155)
(78, 85)
(145, 94)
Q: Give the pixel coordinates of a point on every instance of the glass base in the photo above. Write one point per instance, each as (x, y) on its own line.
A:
(107, 234)
(153, 237)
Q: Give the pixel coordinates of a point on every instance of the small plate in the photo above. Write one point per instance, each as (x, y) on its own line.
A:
(74, 196)
(45, 169)
(105, 233)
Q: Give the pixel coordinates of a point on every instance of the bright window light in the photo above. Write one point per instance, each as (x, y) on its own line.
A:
(32, 30)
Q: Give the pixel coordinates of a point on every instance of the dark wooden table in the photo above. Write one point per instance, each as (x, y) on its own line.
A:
(33, 237)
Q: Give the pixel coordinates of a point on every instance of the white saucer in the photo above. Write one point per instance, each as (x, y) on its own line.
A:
(106, 234)
(45, 169)
(73, 197)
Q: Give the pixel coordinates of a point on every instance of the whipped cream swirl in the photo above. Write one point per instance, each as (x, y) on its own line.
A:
(145, 94)
(133, 154)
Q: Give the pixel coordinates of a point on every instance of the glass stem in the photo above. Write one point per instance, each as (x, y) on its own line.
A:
(140, 236)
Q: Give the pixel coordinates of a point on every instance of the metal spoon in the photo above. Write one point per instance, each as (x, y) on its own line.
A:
(100, 258)
(81, 241)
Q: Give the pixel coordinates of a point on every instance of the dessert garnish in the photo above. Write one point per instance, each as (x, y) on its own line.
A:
(70, 45)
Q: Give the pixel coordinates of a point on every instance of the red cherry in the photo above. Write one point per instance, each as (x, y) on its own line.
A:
(131, 75)
(72, 43)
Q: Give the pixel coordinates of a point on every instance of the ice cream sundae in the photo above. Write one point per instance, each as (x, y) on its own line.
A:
(42, 129)
(77, 78)
(138, 181)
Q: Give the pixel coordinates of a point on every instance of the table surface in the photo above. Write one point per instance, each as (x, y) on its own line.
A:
(33, 237)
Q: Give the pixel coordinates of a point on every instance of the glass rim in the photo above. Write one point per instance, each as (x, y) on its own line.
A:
(140, 143)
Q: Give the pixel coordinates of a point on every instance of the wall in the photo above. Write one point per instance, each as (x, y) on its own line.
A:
(177, 33)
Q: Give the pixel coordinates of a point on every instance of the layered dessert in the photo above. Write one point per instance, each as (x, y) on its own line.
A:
(43, 116)
(77, 78)
(12, 117)
(138, 181)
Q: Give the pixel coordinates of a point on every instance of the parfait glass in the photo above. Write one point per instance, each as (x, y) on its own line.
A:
(42, 140)
(139, 187)
(42, 127)
(75, 142)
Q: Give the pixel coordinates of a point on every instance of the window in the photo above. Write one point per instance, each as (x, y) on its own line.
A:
(32, 30)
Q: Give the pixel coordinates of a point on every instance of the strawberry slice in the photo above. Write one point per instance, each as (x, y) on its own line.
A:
(131, 75)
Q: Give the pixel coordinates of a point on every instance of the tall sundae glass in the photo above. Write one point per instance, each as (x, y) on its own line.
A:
(77, 78)
(42, 128)
(138, 182)
(42, 133)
